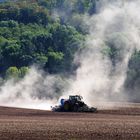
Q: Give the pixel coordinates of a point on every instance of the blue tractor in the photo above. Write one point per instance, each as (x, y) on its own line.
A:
(73, 104)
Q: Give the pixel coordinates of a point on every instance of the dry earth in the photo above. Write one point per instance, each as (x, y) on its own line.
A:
(27, 124)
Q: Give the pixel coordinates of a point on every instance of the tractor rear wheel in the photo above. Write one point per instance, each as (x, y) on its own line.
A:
(66, 106)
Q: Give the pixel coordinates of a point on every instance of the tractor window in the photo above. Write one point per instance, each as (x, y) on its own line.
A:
(78, 98)
(75, 98)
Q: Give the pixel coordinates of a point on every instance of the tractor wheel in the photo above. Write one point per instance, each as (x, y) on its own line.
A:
(66, 106)
(75, 108)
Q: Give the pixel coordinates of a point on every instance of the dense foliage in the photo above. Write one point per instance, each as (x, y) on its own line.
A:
(32, 33)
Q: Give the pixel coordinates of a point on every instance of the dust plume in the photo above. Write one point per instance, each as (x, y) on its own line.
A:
(102, 74)
(37, 90)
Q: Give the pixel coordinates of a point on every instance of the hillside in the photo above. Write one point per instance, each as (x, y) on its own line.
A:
(30, 34)
(48, 34)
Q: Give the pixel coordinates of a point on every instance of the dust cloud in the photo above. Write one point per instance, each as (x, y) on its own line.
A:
(37, 90)
(101, 76)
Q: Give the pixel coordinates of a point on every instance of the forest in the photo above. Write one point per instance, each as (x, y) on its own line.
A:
(37, 32)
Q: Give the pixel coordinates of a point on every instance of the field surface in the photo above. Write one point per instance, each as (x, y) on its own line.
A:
(27, 124)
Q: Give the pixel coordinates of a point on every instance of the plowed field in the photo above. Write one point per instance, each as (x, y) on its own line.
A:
(27, 124)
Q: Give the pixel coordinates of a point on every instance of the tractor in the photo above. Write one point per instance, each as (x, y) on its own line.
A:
(73, 104)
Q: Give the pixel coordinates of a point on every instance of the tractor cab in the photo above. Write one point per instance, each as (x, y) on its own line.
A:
(75, 97)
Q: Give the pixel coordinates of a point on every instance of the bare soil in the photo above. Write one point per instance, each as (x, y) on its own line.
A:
(27, 124)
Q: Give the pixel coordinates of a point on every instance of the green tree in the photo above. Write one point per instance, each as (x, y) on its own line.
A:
(23, 71)
(12, 72)
(11, 53)
(55, 62)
